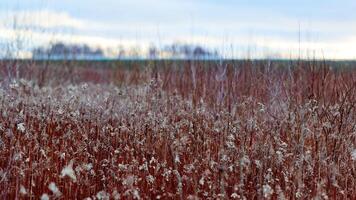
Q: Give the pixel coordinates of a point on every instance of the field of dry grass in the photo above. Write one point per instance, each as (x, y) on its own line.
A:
(178, 130)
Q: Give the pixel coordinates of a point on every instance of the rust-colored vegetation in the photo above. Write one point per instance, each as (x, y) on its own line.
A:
(178, 130)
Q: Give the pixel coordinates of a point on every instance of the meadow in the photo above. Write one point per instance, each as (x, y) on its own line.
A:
(186, 129)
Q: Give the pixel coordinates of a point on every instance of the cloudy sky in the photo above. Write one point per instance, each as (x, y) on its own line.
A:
(236, 28)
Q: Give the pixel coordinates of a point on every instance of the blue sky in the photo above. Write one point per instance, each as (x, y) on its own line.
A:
(237, 28)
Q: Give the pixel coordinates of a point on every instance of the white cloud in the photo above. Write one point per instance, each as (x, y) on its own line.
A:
(28, 38)
(41, 19)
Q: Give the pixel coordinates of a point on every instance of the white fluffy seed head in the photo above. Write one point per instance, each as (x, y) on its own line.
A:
(353, 155)
(23, 190)
(267, 191)
(45, 196)
(68, 171)
(52, 186)
(21, 127)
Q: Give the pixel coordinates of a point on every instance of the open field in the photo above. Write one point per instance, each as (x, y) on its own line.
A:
(177, 130)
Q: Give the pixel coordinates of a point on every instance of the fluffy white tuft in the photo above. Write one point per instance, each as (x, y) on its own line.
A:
(68, 171)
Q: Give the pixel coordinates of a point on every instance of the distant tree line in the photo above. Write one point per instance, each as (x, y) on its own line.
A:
(61, 50)
(182, 51)
(72, 51)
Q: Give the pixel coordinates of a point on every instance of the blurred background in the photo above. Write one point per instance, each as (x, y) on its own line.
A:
(110, 29)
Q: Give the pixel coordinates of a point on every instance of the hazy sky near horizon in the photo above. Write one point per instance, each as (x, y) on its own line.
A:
(274, 28)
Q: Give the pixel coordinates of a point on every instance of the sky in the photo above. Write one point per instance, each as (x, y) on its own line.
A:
(235, 28)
